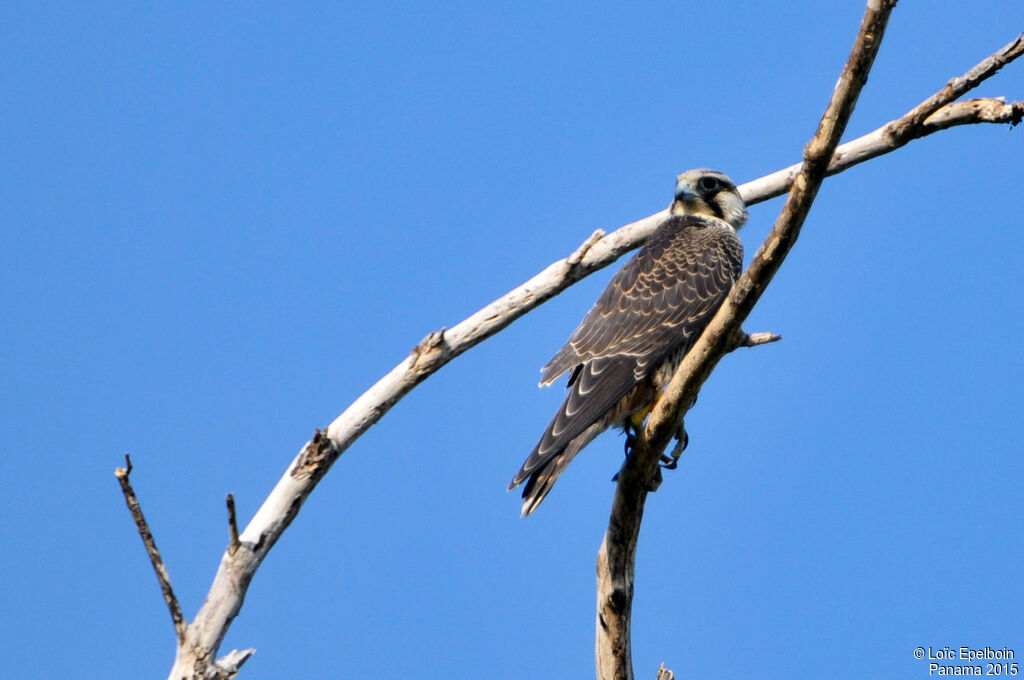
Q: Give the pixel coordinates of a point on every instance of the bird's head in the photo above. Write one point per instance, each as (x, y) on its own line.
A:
(709, 192)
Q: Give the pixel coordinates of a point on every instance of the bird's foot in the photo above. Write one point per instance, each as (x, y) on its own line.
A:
(631, 439)
(632, 435)
(670, 462)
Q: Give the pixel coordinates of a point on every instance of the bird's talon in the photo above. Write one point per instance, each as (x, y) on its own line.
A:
(682, 440)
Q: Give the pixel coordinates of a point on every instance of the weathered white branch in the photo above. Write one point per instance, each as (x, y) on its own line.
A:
(938, 112)
(195, 656)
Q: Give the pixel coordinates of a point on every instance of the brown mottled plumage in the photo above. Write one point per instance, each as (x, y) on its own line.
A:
(630, 343)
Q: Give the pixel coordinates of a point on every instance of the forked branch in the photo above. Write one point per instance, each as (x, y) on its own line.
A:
(617, 555)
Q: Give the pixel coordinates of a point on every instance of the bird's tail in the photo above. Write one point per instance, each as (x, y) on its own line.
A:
(594, 390)
(541, 472)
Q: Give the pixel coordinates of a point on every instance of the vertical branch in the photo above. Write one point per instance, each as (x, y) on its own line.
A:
(616, 562)
(617, 556)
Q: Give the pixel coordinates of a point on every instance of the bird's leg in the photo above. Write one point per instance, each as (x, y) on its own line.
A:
(634, 429)
(633, 426)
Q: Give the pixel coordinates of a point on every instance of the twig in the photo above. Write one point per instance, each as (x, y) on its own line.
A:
(236, 569)
(938, 112)
(146, 535)
(886, 139)
(974, 110)
(958, 87)
(233, 660)
(617, 555)
(232, 525)
(755, 339)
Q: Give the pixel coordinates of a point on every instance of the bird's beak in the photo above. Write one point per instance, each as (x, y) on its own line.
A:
(686, 191)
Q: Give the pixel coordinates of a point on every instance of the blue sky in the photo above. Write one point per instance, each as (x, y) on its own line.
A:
(222, 223)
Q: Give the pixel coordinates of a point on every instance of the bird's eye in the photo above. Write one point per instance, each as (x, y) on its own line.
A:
(708, 184)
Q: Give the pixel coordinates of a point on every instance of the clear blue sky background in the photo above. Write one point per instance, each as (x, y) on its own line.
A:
(222, 223)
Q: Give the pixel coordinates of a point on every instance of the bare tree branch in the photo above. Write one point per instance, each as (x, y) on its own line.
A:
(755, 339)
(146, 535)
(958, 87)
(233, 542)
(203, 637)
(938, 112)
(617, 555)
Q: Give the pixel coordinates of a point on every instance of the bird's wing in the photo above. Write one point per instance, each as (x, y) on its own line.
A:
(660, 299)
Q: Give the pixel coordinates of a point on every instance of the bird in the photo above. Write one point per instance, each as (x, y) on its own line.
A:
(627, 347)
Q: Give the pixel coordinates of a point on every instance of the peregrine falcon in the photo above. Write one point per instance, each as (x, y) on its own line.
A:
(652, 312)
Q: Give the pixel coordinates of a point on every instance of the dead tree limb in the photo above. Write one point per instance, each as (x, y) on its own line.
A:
(617, 556)
(196, 654)
(938, 112)
(123, 475)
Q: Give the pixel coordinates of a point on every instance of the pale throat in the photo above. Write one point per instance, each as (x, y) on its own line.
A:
(694, 206)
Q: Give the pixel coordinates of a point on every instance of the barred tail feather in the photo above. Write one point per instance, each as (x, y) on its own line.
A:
(588, 410)
(543, 477)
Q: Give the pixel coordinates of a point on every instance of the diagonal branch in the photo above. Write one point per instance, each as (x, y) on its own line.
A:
(205, 634)
(617, 555)
(146, 535)
(959, 86)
